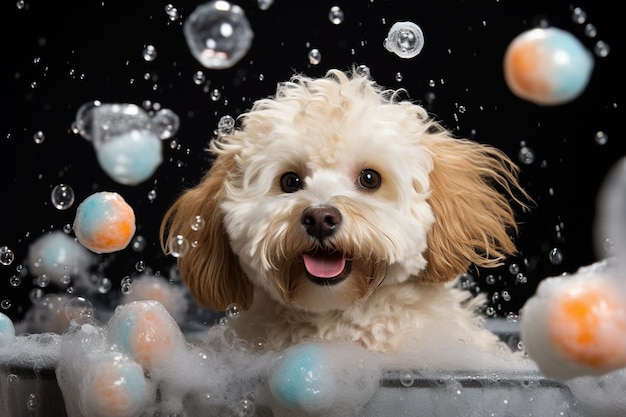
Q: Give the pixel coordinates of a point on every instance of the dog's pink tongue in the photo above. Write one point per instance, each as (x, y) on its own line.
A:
(323, 265)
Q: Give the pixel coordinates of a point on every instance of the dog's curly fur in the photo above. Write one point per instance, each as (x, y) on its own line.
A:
(339, 210)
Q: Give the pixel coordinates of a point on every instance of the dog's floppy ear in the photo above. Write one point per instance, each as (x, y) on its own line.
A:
(473, 187)
(209, 268)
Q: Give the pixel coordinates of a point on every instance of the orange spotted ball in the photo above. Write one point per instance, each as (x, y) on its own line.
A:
(104, 222)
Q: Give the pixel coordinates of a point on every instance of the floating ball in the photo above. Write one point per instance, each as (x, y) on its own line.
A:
(547, 66)
(130, 157)
(59, 257)
(576, 326)
(104, 222)
(7, 330)
(115, 387)
(146, 332)
(303, 379)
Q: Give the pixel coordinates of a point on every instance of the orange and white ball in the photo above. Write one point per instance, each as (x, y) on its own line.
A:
(547, 66)
(104, 222)
(576, 325)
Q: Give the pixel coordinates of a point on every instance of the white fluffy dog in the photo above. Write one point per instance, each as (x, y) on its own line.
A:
(338, 211)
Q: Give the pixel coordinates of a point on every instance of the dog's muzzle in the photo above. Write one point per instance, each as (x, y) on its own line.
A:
(324, 266)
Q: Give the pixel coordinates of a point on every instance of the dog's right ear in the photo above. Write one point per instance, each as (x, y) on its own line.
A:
(210, 269)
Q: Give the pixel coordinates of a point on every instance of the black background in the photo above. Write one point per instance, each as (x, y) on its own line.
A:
(58, 55)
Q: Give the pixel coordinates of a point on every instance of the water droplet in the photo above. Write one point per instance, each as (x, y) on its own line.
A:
(407, 377)
(363, 70)
(315, 56)
(579, 15)
(166, 123)
(39, 137)
(15, 280)
(104, 285)
(6, 255)
(590, 30)
(172, 12)
(335, 15)
(526, 155)
(5, 304)
(601, 138)
(226, 125)
(149, 53)
(197, 223)
(178, 246)
(139, 243)
(199, 78)
(233, 311)
(555, 256)
(265, 4)
(601, 49)
(62, 196)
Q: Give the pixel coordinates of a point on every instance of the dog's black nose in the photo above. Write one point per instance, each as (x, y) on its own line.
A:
(321, 221)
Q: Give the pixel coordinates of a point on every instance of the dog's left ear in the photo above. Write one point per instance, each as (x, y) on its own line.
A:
(473, 187)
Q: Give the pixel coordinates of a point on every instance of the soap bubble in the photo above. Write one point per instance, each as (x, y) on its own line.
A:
(218, 34)
(405, 39)
(166, 122)
(6, 255)
(62, 196)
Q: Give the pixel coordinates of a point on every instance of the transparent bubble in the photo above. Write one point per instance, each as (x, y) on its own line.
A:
(601, 138)
(399, 77)
(33, 402)
(407, 377)
(6, 256)
(335, 15)
(166, 123)
(39, 137)
(601, 49)
(590, 30)
(79, 310)
(83, 124)
(43, 280)
(315, 56)
(197, 223)
(265, 4)
(104, 285)
(405, 39)
(245, 408)
(514, 268)
(126, 286)
(506, 296)
(526, 155)
(172, 12)
(490, 279)
(199, 78)
(218, 34)
(138, 243)
(178, 246)
(363, 70)
(152, 195)
(215, 94)
(226, 125)
(140, 266)
(579, 15)
(5, 304)
(62, 196)
(555, 256)
(233, 311)
(15, 280)
(149, 53)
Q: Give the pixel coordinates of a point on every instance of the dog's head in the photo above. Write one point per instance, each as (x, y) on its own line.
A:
(333, 187)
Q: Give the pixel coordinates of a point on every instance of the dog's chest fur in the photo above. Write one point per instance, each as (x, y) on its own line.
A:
(395, 318)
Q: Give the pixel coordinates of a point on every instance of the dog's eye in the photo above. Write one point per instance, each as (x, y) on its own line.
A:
(290, 182)
(369, 179)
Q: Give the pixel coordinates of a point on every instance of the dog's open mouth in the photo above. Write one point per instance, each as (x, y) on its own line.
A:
(326, 268)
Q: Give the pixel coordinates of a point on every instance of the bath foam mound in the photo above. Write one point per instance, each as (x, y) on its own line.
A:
(140, 364)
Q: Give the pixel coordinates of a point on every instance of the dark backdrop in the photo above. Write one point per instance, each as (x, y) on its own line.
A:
(58, 55)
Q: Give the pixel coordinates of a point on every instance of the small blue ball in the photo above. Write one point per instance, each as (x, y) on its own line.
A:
(303, 379)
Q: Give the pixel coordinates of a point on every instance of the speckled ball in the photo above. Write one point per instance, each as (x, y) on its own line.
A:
(104, 222)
